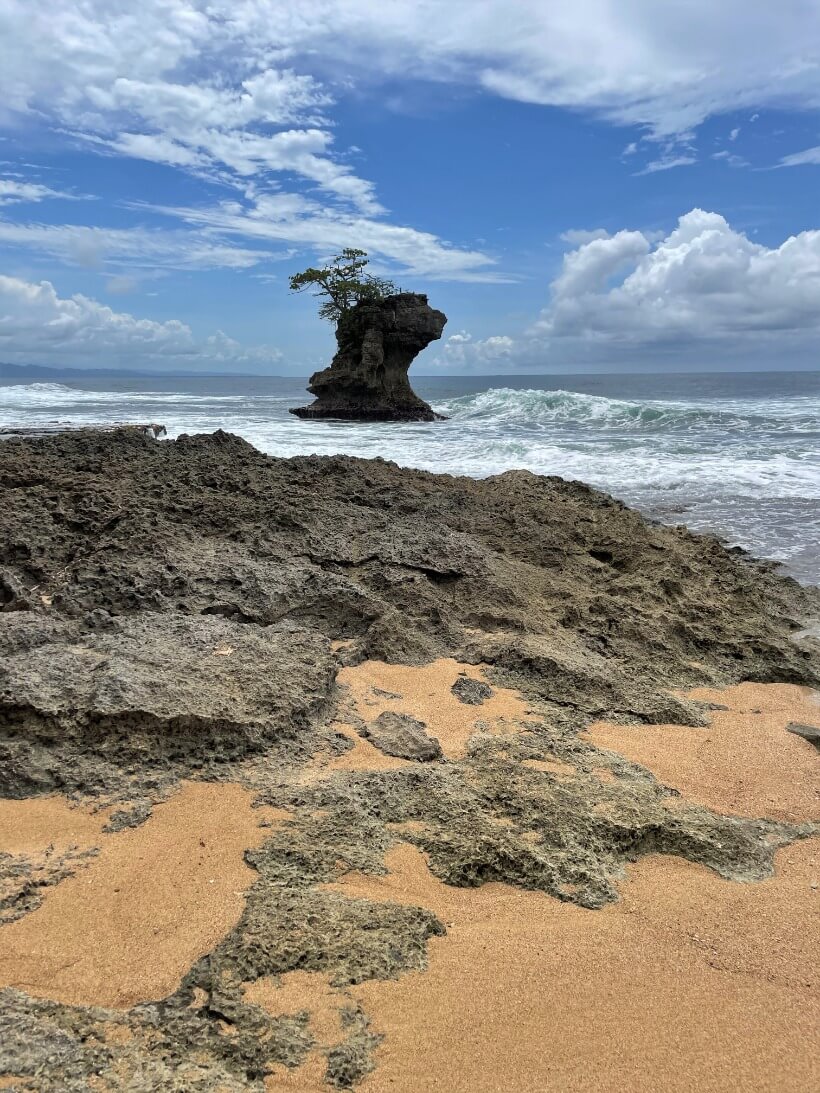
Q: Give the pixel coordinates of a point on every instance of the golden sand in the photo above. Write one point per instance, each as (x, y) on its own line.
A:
(689, 983)
(33, 825)
(424, 693)
(743, 763)
(295, 992)
(127, 928)
(362, 756)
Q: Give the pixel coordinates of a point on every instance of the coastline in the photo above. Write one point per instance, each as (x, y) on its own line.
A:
(463, 809)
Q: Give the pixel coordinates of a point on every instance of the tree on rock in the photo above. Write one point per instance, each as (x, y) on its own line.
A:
(342, 284)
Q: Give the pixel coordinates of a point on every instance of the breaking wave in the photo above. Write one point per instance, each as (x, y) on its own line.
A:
(507, 406)
(57, 395)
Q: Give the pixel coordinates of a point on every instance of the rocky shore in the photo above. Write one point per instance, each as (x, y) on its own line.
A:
(277, 720)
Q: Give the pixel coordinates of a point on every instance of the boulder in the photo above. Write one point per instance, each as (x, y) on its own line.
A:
(367, 380)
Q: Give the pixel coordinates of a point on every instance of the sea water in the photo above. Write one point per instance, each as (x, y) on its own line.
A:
(735, 454)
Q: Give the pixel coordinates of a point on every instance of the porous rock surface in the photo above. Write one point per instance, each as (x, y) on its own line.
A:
(181, 609)
(402, 736)
(367, 380)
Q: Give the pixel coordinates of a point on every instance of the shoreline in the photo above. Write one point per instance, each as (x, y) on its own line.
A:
(741, 530)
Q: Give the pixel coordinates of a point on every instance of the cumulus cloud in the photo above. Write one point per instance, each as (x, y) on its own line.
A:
(462, 352)
(38, 326)
(703, 282)
(701, 294)
(577, 236)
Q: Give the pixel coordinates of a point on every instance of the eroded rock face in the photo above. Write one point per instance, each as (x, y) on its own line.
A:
(84, 703)
(367, 379)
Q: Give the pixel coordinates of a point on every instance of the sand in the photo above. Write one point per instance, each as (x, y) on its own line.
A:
(32, 826)
(128, 926)
(744, 763)
(689, 983)
(425, 693)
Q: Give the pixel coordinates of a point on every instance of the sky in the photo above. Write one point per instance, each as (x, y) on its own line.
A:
(607, 185)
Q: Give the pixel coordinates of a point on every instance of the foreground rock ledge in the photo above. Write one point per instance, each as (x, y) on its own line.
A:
(194, 610)
(367, 379)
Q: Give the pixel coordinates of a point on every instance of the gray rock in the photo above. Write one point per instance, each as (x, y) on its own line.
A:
(402, 736)
(472, 692)
(83, 708)
(808, 732)
(367, 379)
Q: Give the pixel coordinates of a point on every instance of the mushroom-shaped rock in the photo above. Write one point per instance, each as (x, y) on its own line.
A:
(367, 380)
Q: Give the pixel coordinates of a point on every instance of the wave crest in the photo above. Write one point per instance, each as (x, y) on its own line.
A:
(510, 406)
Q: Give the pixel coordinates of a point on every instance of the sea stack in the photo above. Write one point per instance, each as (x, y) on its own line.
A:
(367, 379)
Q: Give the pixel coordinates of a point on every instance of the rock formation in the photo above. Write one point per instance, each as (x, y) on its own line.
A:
(181, 612)
(367, 380)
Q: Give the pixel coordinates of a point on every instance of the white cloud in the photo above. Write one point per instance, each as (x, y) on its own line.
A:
(577, 236)
(240, 90)
(94, 248)
(703, 282)
(667, 162)
(197, 84)
(121, 285)
(287, 217)
(665, 66)
(801, 159)
(701, 294)
(173, 82)
(734, 134)
(730, 158)
(38, 326)
(13, 192)
(461, 351)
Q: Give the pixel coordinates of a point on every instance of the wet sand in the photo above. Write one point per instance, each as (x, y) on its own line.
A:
(129, 925)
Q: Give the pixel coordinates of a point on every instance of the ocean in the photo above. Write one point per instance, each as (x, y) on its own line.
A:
(737, 454)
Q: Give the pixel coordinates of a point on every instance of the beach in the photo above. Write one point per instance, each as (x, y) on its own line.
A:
(322, 773)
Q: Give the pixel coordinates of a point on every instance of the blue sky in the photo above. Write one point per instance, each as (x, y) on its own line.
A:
(600, 186)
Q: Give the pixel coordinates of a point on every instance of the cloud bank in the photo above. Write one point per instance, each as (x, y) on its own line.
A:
(703, 292)
(39, 327)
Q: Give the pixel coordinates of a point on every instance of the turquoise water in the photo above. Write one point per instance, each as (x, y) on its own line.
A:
(738, 454)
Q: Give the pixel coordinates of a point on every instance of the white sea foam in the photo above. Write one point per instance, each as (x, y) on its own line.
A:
(534, 407)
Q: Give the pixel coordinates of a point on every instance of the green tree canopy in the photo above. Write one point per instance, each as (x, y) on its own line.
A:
(342, 284)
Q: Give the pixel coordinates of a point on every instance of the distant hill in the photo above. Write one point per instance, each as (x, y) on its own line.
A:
(34, 372)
